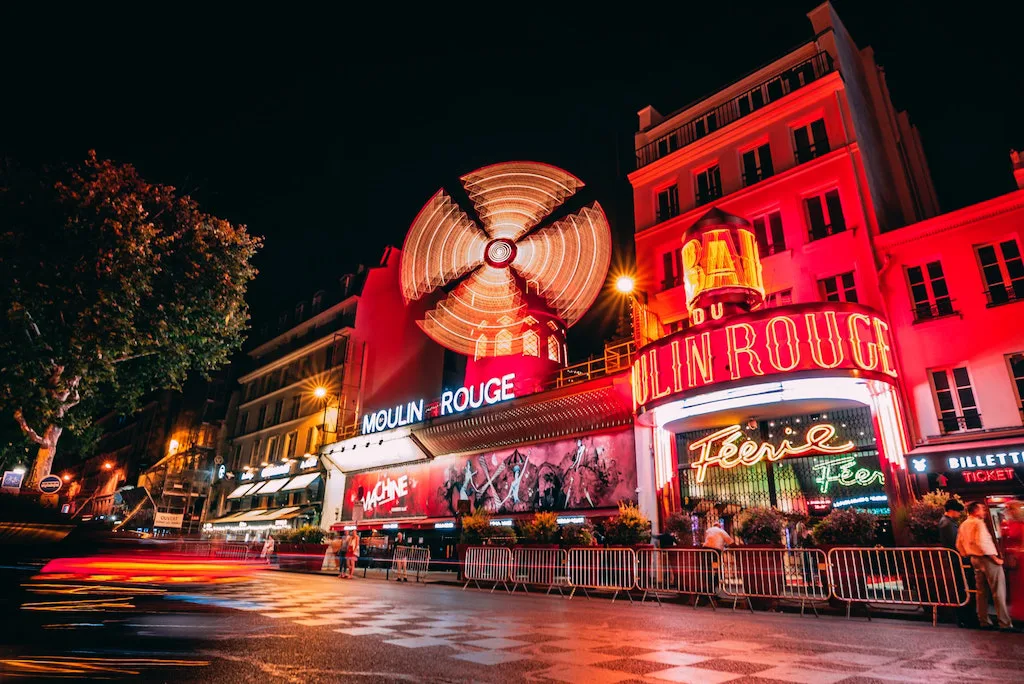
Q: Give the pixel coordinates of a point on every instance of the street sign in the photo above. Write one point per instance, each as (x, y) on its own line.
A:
(50, 484)
(12, 481)
(173, 520)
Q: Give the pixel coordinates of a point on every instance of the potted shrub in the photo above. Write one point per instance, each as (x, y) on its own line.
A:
(680, 526)
(845, 527)
(759, 526)
(476, 527)
(541, 530)
(923, 517)
(629, 527)
(577, 535)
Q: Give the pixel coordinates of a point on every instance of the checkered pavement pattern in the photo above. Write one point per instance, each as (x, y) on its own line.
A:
(559, 652)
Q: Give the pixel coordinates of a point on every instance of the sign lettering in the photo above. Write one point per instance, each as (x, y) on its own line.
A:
(845, 473)
(452, 401)
(728, 448)
(1003, 458)
(994, 475)
(385, 491)
(823, 336)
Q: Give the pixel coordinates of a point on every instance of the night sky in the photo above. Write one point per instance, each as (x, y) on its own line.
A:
(326, 133)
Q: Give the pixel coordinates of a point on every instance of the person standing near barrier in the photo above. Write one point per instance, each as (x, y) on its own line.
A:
(353, 554)
(1013, 550)
(401, 562)
(974, 541)
(949, 525)
(343, 546)
(716, 538)
(268, 549)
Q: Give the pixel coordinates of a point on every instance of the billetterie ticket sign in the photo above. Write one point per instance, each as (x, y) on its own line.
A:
(824, 336)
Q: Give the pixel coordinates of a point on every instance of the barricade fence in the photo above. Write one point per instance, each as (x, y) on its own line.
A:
(414, 559)
(488, 564)
(923, 577)
(678, 571)
(926, 576)
(539, 567)
(602, 570)
(780, 574)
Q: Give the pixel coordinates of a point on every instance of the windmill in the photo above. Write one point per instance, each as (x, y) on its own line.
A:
(510, 282)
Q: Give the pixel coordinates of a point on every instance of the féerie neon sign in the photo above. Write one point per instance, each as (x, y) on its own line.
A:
(727, 448)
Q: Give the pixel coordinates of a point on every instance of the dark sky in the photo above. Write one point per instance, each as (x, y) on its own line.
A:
(326, 133)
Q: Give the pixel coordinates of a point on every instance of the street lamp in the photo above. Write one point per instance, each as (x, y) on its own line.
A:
(108, 465)
(625, 284)
(320, 392)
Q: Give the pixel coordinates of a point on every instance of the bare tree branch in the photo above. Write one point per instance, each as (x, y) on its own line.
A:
(32, 434)
(134, 356)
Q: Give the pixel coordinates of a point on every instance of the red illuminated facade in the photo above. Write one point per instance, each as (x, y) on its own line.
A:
(880, 319)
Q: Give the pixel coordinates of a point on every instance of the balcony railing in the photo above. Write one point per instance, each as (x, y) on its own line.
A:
(702, 198)
(824, 231)
(665, 213)
(1005, 294)
(756, 176)
(926, 311)
(968, 421)
(616, 358)
(812, 151)
(769, 90)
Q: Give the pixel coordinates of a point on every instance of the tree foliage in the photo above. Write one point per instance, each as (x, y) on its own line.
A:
(113, 286)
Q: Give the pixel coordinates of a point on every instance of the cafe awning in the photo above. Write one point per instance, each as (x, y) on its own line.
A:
(239, 492)
(301, 481)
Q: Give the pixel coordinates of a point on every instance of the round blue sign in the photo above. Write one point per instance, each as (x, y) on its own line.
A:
(50, 484)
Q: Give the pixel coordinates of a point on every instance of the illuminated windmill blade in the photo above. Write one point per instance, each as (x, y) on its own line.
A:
(484, 310)
(513, 197)
(567, 261)
(443, 244)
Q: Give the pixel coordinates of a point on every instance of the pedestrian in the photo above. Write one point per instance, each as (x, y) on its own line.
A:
(949, 525)
(715, 537)
(1013, 551)
(268, 549)
(334, 553)
(974, 541)
(353, 555)
(401, 562)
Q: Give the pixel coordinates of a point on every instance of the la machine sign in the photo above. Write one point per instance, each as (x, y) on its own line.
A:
(485, 393)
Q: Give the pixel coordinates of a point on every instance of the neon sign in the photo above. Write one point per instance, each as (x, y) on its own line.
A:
(994, 475)
(734, 450)
(452, 401)
(271, 471)
(826, 336)
(385, 491)
(845, 473)
(721, 259)
(1003, 458)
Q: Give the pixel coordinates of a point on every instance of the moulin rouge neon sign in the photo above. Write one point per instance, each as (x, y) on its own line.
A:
(827, 336)
(485, 393)
(728, 448)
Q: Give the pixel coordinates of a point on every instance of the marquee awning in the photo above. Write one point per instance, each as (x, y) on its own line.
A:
(301, 482)
(532, 419)
(240, 491)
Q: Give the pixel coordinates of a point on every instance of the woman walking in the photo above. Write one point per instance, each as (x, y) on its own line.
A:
(353, 554)
(343, 545)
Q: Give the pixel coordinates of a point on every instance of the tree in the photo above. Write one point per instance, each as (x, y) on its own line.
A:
(112, 287)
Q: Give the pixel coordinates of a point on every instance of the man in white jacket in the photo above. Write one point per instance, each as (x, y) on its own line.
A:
(974, 541)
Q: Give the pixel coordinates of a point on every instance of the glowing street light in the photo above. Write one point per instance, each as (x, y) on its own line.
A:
(320, 392)
(108, 465)
(625, 284)
(67, 478)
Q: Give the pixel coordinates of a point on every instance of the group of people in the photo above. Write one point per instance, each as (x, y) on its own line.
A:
(345, 549)
(973, 541)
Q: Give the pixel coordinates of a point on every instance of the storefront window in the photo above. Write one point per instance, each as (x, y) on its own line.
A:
(849, 476)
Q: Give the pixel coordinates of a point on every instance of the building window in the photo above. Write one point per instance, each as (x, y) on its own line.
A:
(296, 401)
(708, 185)
(531, 343)
(255, 455)
(676, 326)
(668, 203)
(289, 444)
(236, 457)
(312, 437)
(282, 320)
(300, 312)
(954, 397)
(839, 288)
(261, 419)
(277, 411)
(503, 343)
(929, 292)
(825, 213)
(553, 348)
(329, 357)
(318, 302)
(480, 350)
(811, 141)
(770, 237)
(780, 298)
(272, 445)
(1003, 271)
(757, 164)
(243, 420)
(672, 267)
(1016, 364)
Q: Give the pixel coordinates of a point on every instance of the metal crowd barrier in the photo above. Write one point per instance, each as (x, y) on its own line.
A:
(780, 574)
(927, 576)
(678, 571)
(488, 564)
(602, 570)
(411, 558)
(539, 567)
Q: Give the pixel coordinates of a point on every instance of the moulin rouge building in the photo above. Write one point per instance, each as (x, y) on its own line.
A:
(812, 334)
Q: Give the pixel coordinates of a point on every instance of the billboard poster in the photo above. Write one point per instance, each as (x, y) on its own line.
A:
(596, 471)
